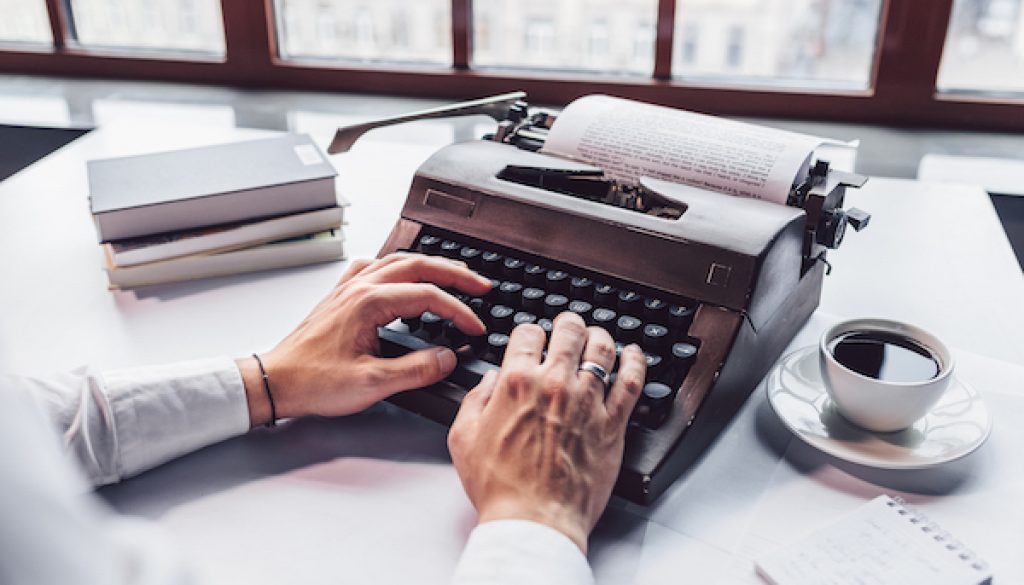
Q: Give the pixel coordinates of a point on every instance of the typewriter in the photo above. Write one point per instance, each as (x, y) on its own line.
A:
(713, 287)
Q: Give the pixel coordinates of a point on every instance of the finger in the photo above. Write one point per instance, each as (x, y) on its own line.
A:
(600, 349)
(566, 346)
(387, 302)
(440, 271)
(525, 347)
(629, 381)
(474, 402)
(413, 370)
(354, 268)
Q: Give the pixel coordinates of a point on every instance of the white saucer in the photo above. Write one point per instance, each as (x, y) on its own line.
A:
(955, 427)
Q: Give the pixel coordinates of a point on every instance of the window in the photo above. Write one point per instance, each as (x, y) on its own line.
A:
(872, 61)
(984, 50)
(613, 37)
(161, 25)
(25, 21)
(792, 42)
(366, 30)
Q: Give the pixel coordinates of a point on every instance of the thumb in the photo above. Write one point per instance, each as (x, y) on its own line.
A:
(475, 401)
(414, 370)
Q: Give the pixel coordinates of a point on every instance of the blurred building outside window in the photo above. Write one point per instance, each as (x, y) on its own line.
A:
(24, 22)
(158, 25)
(984, 50)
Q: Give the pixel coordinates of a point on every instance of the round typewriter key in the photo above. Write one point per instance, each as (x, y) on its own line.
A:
(655, 337)
(512, 269)
(431, 323)
(680, 316)
(430, 244)
(655, 310)
(493, 293)
(583, 309)
(654, 364)
(471, 256)
(557, 281)
(450, 249)
(533, 299)
(413, 323)
(534, 274)
(627, 328)
(496, 344)
(523, 318)
(501, 318)
(581, 288)
(509, 292)
(546, 324)
(604, 318)
(478, 305)
(456, 338)
(629, 302)
(654, 403)
(683, 356)
(554, 304)
(490, 262)
(604, 294)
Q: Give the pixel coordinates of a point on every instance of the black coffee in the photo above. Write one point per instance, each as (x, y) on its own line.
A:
(885, 356)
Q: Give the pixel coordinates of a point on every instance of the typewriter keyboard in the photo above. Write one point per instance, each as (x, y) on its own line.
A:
(530, 290)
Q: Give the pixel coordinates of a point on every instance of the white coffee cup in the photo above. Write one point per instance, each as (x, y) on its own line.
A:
(876, 404)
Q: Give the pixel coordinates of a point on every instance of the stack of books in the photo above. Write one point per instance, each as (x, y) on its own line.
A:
(216, 210)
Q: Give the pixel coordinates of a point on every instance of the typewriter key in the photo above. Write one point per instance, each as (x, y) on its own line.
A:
(679, 317)
(533, 299)
(629, 302)
(430, 244)
(450, 249)
(581, 288)
(431, 323)
(583, 309)
(456, 338)
(655, 337)
(655, 310)
(604, 294)
(557, 281)
(496, 344)
(554, 304)
(604, 318)
(546, 324)
(512, 269)
(627, 329)
(534, 275)
(523, 318)
(471, 256)
(501, 318)
(490, 262)
(509, 292)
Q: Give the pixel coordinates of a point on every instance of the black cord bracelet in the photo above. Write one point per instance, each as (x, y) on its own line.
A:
(270, 397)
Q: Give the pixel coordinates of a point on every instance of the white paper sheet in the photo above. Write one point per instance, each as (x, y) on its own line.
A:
(630, 140)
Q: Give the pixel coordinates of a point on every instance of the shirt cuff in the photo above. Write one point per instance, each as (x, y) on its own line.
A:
(164, 412)
(521, 551)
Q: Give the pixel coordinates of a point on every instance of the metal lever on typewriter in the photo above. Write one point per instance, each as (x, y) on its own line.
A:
(496, 107)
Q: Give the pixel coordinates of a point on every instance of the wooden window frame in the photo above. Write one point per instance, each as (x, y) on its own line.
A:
(902, 89)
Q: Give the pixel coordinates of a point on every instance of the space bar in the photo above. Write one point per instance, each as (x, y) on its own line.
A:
(467, 373)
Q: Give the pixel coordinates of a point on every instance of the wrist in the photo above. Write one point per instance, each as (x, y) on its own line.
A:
(553, 515)
(255, 395)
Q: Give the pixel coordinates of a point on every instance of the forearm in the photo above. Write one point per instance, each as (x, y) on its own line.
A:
(119, 423)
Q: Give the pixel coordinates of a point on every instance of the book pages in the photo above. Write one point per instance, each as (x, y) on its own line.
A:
(630, 140)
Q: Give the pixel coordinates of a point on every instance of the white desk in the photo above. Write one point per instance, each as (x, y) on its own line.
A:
(373, 498)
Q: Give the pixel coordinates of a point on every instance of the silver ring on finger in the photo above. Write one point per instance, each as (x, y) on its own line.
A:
(598, 371)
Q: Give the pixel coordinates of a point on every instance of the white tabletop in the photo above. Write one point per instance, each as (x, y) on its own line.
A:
(373, 497)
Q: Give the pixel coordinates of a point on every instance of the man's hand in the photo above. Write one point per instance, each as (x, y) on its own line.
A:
(328, 365)
(540, 440)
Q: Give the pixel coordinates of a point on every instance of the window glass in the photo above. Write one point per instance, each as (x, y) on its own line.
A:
(605, 36)
(789, 42)
(398, 31)
(984, 50)
(24, 21)
(174, 25)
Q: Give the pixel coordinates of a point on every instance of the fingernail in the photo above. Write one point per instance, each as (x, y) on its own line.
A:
(445, 359)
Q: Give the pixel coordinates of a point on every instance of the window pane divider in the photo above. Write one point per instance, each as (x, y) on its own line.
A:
(665, 28)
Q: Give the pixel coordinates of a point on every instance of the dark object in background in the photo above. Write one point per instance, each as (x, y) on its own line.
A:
(20, 146)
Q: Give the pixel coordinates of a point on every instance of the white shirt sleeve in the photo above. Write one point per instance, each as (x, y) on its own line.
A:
(122, 422)
(513, 552)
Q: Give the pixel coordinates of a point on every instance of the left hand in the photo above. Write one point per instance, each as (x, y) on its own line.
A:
(329, 366)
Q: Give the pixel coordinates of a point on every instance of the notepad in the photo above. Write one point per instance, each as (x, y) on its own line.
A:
(883, 542)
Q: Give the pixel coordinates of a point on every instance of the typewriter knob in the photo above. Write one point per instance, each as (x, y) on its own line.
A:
(832, 228)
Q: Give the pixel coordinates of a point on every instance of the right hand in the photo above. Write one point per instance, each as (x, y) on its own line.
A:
(540, 440)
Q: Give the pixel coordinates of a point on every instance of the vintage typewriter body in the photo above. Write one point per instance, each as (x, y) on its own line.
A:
(712, 287)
